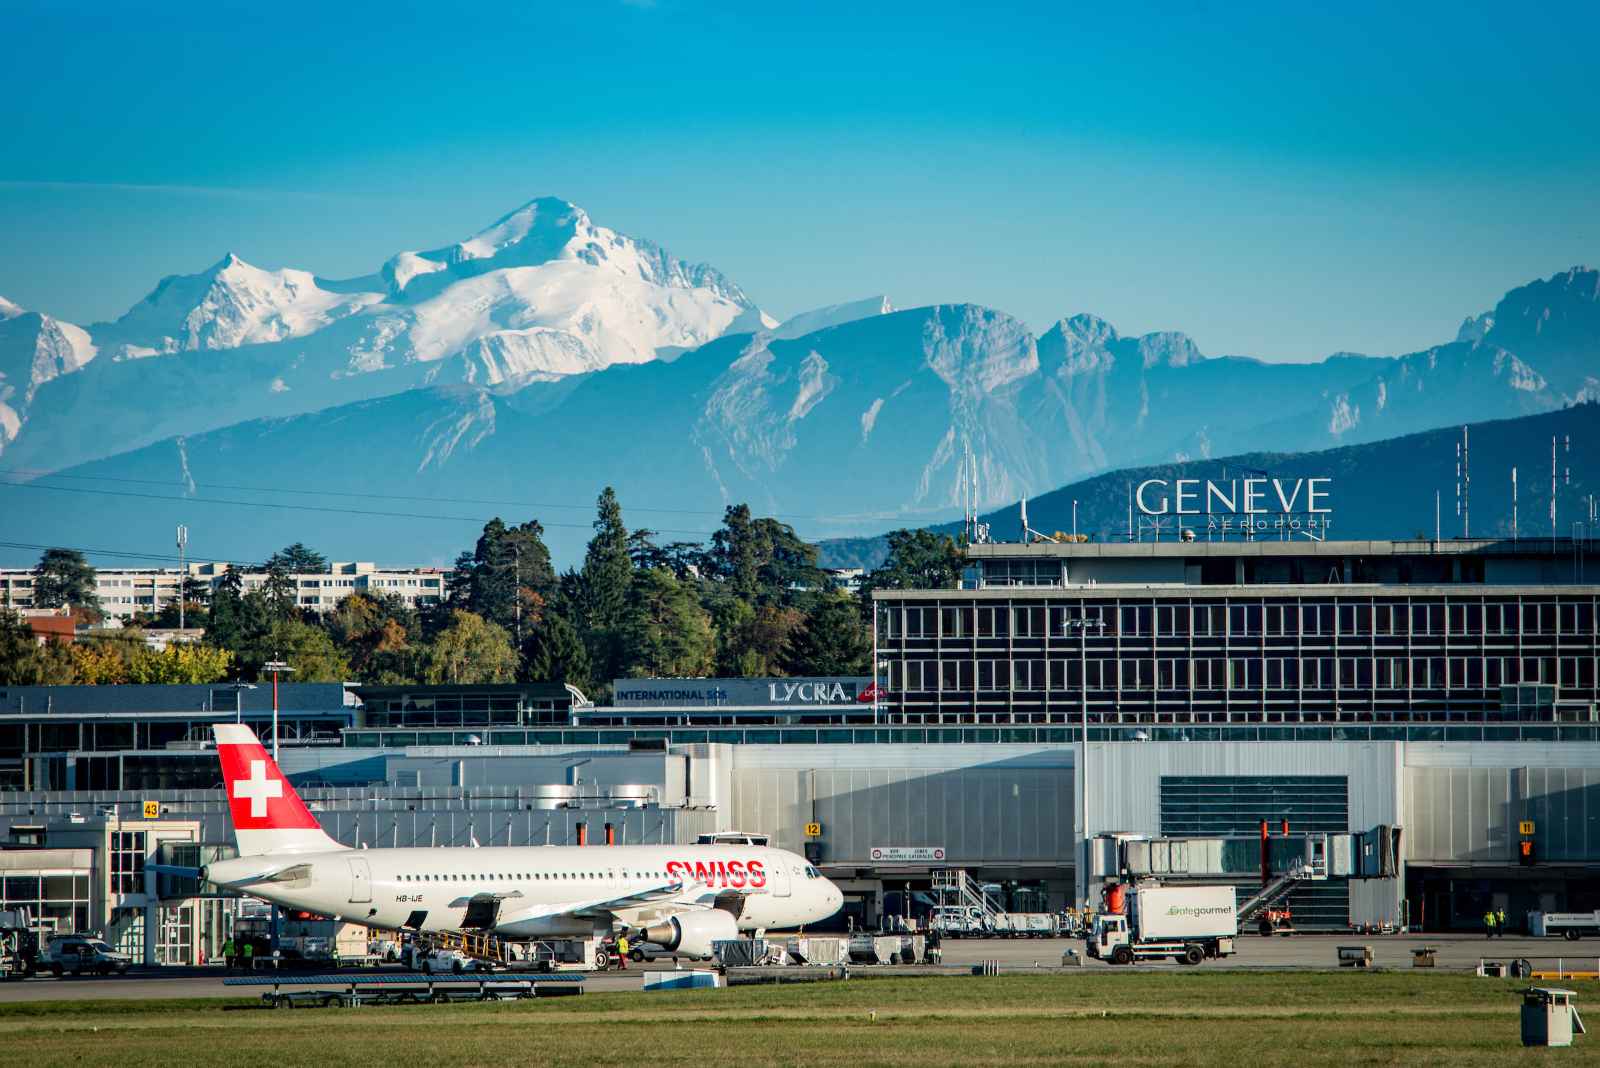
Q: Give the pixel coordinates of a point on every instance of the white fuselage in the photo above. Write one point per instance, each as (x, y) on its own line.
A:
(540, 891)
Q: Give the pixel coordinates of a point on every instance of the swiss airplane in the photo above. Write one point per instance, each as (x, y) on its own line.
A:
(681, 898)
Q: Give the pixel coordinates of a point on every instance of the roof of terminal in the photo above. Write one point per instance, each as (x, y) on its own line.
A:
(1535, 547)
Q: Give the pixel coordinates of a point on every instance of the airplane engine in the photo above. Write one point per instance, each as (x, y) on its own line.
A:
(693, 932)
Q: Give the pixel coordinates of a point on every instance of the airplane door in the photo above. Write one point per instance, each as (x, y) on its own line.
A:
(360, 880)
(780, 879)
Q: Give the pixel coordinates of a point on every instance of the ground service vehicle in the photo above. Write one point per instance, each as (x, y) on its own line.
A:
(19, 945)
(312, 939)
(1186, 923)
(1569, 925)
(1026, 925)
(83, 955)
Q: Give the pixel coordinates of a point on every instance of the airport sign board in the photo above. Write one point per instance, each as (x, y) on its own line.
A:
(764, 693)
(1256, 504)
(152, 810)
(906, 854)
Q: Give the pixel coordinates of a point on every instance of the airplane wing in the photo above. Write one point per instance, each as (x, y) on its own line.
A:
(606, 905)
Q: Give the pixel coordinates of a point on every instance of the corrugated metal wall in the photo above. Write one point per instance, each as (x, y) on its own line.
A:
(1459, 815)
(982, 805)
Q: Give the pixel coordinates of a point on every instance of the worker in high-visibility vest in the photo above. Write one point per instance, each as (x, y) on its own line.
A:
(622, 952)
(1489, 921)
(248, 956)
(227, 954)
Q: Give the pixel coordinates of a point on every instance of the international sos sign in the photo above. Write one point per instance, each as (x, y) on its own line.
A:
(1251, 504)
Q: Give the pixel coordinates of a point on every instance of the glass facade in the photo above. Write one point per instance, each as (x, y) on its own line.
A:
(1233, 806)
(57, 897)
(1198, 655)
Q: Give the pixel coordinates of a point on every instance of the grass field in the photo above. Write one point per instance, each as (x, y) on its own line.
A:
(1244, 1020)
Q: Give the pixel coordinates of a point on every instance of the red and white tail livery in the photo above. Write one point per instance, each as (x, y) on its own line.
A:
(268, 816)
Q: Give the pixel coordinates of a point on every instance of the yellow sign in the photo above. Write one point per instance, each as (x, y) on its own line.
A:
(1525, 827)
(813, 830)
(152, 810)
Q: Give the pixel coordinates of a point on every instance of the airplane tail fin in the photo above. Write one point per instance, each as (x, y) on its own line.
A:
(267, 814)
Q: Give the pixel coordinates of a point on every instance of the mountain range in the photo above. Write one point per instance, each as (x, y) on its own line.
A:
(1397, 488)
(520, 370)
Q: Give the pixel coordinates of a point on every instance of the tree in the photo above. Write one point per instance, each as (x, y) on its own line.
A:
(277, 596)
(918, 560)
(180, 662)
(667, 633)
(469, 650)
(834, 640)
(305, 648)
(751, 639)
(374, 633)
(64, 578)
(506, 576)
(555, 652)
(225, 621)
(685, 559)
(600, 599)
(24, 661)
(762, 560)
(296, 559)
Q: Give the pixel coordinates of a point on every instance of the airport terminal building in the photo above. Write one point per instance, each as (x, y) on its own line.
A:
(1419, 711)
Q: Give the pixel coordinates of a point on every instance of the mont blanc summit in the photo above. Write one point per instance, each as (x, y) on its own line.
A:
(541, 292)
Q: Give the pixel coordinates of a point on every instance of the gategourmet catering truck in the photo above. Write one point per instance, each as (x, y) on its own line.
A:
(1186, 923)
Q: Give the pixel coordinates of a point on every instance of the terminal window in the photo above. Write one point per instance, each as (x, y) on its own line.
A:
(1234, 805)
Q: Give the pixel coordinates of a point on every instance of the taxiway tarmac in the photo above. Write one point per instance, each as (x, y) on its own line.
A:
(1455, 953)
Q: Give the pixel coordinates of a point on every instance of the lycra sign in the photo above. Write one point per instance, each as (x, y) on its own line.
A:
(1253, 504)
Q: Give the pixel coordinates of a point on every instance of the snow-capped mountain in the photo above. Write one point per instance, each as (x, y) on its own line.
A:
(541, 292)
(34, 350)
(877, 421)
(832, 315)
(225, 307)
(486, 368)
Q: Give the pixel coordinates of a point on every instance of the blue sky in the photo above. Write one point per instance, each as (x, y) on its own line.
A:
(1275, 181)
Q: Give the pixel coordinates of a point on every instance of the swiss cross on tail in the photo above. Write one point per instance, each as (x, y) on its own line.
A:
(259, 799)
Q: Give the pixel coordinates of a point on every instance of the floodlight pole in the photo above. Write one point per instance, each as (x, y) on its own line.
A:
(183, 572)
(276, 667)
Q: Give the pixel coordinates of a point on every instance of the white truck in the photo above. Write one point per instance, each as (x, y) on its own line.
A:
(1186, 923)
(1569, 925)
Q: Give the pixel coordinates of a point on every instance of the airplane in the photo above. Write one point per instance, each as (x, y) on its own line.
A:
(681, 898)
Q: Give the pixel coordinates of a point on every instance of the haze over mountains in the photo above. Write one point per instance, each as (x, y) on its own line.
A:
(548, 356)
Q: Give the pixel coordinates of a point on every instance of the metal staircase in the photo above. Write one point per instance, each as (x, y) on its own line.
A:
(961, 903)
(1275, 891)
(474, 944)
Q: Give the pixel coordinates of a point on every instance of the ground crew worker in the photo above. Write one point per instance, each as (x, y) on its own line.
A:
(622, 952)
(227, 954)
(249, 956)
(1500, 921)
(1488, 924)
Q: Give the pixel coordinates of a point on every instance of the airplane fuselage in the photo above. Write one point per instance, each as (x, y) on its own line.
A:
(449, 889)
